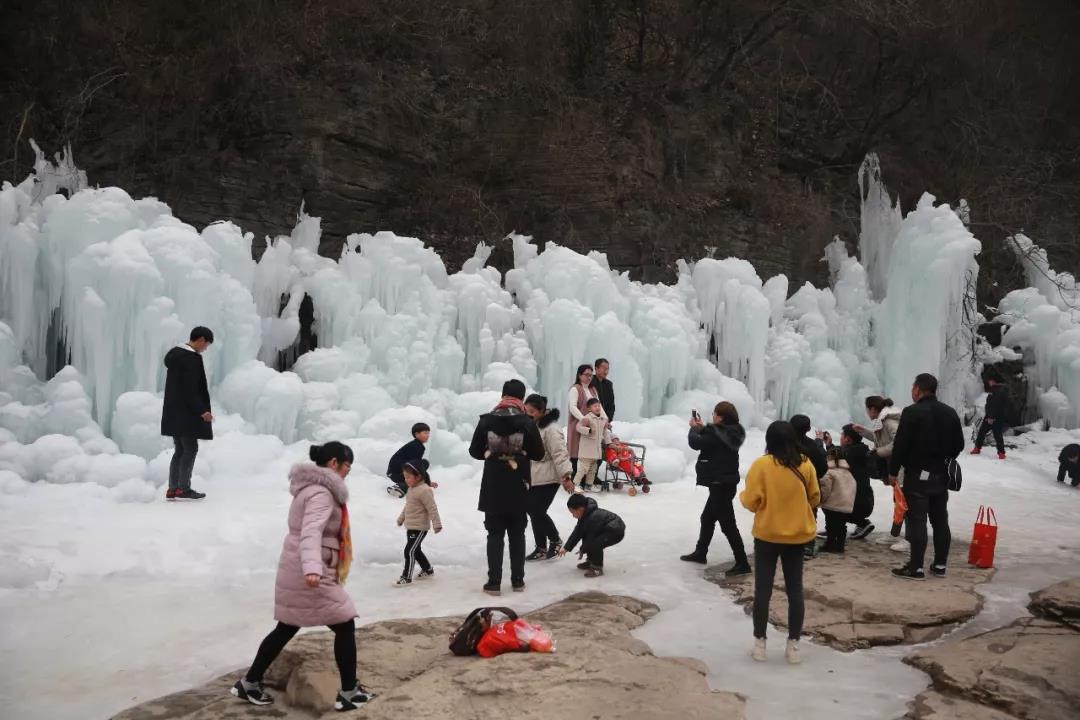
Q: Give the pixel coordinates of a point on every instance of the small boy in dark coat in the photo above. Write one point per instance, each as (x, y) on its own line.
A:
(1069, 464)
(411, 451)
(596, 529)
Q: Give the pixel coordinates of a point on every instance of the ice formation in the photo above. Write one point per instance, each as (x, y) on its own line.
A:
(106, 284)
(1043, 321)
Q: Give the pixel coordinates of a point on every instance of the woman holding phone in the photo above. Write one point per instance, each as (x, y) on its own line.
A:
(717, 469)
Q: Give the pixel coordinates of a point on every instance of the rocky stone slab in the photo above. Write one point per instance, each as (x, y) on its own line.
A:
(1026, 670)
(598, 670)
(853, 601)
(1059, 602)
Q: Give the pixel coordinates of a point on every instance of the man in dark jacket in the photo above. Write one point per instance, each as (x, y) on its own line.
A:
(994, 418)
(605, 391)
(717, 468)
(812, 448)
(596, 529)
(507, 440)
(930, 434)
(1069, 464)
(186, 413)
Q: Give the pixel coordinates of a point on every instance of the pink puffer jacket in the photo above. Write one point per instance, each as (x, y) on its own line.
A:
(311, 547)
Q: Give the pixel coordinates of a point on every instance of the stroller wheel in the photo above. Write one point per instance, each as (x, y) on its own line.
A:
(645, 489)
(632, 492)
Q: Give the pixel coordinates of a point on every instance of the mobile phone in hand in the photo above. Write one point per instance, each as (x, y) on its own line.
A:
(694, 415)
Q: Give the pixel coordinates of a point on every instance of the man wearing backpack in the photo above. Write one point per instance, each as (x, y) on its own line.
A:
(995, 417)
(507, 440)
(929, 435)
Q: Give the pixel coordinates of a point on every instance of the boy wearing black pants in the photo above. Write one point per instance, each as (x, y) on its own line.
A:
(411, 451)
(596, 529)
(1069, 464)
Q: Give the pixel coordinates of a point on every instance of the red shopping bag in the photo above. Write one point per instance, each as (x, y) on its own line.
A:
(514, 636)
(984, 539)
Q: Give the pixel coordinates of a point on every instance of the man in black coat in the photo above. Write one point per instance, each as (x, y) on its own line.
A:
(930, 434)
(994, 418)
(814, 450)
(717, 468)
(507, 440)
(186, 416)
(605, 391)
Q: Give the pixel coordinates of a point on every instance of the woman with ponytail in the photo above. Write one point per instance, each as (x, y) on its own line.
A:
(310, 586)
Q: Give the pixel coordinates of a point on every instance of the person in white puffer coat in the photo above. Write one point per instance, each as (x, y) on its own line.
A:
(546, 476)
(884, 422)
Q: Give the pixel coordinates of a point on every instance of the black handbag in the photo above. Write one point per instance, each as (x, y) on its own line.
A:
(464, 640)
(953, 475)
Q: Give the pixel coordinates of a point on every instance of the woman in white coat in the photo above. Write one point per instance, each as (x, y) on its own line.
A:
(580, 393)
(546, 476)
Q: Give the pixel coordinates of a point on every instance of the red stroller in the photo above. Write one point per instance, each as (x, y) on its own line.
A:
(624, 464)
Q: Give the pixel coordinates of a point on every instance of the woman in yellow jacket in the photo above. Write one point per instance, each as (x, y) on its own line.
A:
(782, 492)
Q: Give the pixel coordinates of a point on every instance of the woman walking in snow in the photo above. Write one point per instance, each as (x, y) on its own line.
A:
(546, 477)
(419, 516)
(581, 392)
(782, 491)
(314, 564)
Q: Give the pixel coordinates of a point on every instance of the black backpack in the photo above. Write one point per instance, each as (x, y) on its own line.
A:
(464, 640)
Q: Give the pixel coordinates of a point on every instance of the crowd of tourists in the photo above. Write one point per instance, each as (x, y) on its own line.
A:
(528, 455)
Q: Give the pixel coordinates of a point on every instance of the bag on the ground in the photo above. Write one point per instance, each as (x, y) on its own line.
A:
(514, 636)
(953, 474)
(464, 640)
(984, 539)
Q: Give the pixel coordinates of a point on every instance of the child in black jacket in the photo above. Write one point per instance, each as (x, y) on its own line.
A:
(1069, 464)
(411, 451)
(596, 529)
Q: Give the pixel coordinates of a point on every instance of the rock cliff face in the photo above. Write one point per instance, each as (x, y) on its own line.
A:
(649, 130)
(598, 670)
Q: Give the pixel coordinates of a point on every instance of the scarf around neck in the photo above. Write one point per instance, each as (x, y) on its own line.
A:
(510, 402)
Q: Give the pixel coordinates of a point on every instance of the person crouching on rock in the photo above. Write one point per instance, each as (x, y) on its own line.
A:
(310, 586)
(782, 491)
(596, 529)
(419, 516)
(1069, 464)
(717, 469)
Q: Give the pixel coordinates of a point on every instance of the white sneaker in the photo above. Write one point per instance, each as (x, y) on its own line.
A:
(758, 653)
(900, 546)
(792, 652)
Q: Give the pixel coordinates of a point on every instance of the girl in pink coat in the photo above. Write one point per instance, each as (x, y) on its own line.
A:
(315, 561)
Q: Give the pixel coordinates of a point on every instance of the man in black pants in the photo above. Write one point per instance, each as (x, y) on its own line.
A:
(507, 440)
(814, 450)
(930, 433)
(186, 416)
(997, 408)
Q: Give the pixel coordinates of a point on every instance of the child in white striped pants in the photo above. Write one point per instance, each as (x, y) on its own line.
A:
(419, 515)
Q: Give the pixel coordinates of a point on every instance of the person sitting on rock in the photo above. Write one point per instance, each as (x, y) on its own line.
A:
(858, 459)
(596, 529)
(1069, 464)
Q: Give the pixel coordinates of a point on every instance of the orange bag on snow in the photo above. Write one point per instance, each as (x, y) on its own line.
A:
(514, 636)
(984, 539)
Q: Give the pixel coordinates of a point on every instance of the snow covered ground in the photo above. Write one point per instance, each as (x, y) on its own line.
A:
(126, 601)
